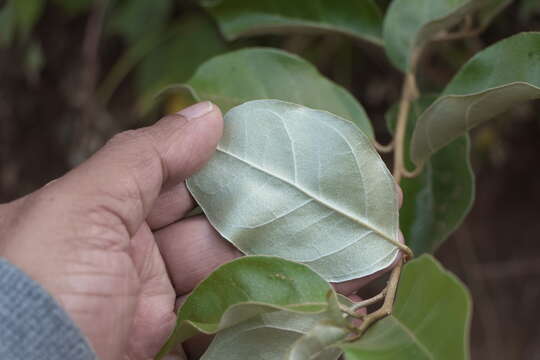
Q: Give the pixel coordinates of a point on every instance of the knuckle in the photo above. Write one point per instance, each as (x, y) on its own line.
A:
(140, 152)
(140, 168)
(129, 137)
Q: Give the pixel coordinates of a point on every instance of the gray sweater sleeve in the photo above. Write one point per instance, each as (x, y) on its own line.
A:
(32, 325)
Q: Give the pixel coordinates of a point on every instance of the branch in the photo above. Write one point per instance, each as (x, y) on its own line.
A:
(466, 31)
(380, 296)
(386, 308)
(384, 149)
(409, 93)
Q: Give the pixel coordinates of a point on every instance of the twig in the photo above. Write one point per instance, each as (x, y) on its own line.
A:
(412, 174)
(458, 35)
(409, 93)
(380, 296)
(352, 311)
(386, 308)
(466, 31)
(383, 148)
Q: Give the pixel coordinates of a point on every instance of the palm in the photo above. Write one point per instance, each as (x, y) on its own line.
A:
(154, 316)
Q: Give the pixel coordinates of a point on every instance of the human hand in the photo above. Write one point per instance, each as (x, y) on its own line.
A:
(89, 238)
(108, 240)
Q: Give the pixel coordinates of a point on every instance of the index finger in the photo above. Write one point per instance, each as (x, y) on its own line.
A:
(171, 205)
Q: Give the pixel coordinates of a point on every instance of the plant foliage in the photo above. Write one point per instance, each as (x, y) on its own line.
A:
(296, 182)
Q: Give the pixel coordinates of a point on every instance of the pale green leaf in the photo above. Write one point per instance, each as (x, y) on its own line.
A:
(283, 335)
(410, 24)
(357, 18)
(245, 288)
(430, 320)
(321, 339)
(493, 81)
(267, 337)
(436, 201)
(258, 73)
(302, 184)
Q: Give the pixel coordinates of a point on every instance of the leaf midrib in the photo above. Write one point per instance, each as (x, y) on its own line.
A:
(310, 195)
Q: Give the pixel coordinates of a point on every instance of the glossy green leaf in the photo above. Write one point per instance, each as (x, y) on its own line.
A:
(245, 288)
(410, 24)
(258, 73)
(494, 80)
(436, 201)
(186, 45)
(430, 320)
(132, 19)
(357, 18)
(302, 184)
(267, 337)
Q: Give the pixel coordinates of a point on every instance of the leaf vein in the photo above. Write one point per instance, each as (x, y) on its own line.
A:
(310, 195)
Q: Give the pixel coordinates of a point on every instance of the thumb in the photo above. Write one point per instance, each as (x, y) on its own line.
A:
(126, 176)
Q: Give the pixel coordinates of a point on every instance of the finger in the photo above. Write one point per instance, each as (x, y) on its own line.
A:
(154, 316)
(192, 249)
(171, 205)
(350, 287)
(126, 176)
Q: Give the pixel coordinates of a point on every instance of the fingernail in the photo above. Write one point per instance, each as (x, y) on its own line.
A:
(197, 110)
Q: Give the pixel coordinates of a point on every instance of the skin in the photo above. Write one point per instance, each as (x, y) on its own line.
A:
(110, 242)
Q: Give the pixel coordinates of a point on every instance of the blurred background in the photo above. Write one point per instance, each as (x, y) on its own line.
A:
(75, 72)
